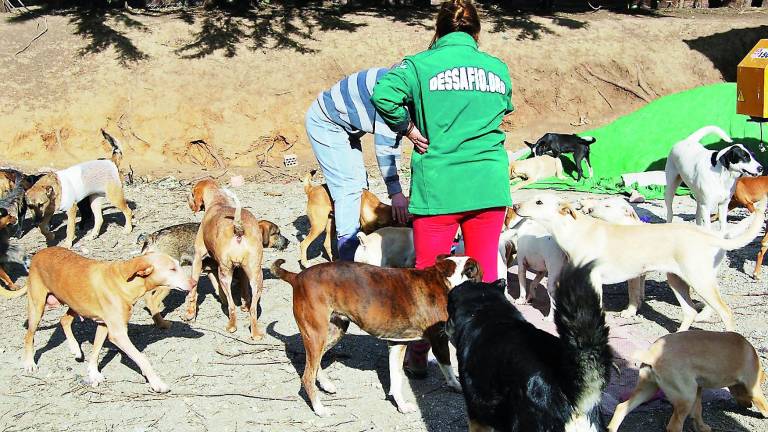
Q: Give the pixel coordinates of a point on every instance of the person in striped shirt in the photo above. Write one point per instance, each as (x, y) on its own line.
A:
(335, 122)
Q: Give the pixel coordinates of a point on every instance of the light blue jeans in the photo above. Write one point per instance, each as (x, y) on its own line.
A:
(341, 159)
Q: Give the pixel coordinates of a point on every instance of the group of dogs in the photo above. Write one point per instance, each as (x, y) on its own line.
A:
(514, 377)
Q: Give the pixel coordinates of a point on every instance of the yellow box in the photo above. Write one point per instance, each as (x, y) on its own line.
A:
(752, 82)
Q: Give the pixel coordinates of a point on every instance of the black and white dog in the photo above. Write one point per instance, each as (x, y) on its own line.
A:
(711, 175)
(516, 377)
(555, 144)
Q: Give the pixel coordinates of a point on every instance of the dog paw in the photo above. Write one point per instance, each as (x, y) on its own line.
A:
(189, 316)
(257, 334)
(162, 324)
(406, 407)
(94, 378)
(455, 386)
(322, 411)
(30, 366)
(66, 244)
(550, 317)
(127, 230)
(628, 313)
(159, 387)
(327, 386)
(521, 301)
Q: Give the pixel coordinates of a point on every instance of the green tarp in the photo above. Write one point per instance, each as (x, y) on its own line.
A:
(641, 141)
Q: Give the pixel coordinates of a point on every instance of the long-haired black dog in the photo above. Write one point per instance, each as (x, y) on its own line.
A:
(555, 144)
(516, 377)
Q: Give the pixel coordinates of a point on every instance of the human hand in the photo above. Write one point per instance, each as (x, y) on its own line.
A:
(400, 208)
(418, 140)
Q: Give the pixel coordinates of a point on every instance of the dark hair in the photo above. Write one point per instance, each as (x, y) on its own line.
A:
(456, 15)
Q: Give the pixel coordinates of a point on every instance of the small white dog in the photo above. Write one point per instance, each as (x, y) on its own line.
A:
(711, 175)
(387, 247)
(690, 255)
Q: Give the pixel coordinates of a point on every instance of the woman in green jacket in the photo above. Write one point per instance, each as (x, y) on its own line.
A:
(449, 101)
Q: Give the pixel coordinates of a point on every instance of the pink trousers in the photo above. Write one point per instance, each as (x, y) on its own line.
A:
(433, 236)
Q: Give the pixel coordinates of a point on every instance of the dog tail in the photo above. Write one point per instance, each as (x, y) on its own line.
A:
(588, 140)
(6, 293)
(239, 230)
(752, 230)
(580, 322)
(308, 180)
(117, 149)
(706, 130)
(283, 274)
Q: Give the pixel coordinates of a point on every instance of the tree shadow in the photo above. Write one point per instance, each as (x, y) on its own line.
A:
(725, 50)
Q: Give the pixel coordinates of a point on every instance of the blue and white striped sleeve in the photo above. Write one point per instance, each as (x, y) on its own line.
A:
(388, 158)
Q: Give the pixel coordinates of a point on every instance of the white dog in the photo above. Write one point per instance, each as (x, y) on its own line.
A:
(711, 175)
(387, 247)
(690, 255)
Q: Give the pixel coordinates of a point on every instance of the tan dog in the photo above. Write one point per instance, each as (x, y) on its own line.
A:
(62, 190)
(534, 169)
(102, 291)
(690, 255)
(232, 237)
(682, 364)
(397, 305)
(617, 210)
(373, 215)
(387, 247)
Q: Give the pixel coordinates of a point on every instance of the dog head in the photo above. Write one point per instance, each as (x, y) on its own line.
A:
(739, 160)
(200, 191)
(614, 210)
(271, 237)
(540, 148)
(465, 300)
(458, 269)
(41, 197)
(6, 218)
(545, 208)
(369, 250)
(157, 269)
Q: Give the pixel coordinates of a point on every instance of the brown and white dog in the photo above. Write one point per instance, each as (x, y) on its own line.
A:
(62, 190)
(373, 215)
(682, 364)
(750, 190)
(232, 237)
(397, 305)
(99, 290)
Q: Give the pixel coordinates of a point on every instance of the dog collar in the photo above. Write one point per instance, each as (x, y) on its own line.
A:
(714, 158)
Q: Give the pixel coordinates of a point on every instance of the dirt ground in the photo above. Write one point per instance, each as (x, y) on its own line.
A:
(191, 89)
(222, 381)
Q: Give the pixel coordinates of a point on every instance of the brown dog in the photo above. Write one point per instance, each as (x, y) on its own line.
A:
(232, 237)
(62, 190)
(178, 241)
(102, 291)
(373, 215)
(682, 364)
(750, 190)
(397, 305)
(9, 253)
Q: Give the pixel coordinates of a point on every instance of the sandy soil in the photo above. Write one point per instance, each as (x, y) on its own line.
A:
(185, 90)
(222, 381)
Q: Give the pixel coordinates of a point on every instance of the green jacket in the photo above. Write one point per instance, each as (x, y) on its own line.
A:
(457, 97)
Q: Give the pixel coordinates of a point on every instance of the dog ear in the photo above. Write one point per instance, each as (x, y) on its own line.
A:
(445, 266)
(266, 232)
(566, 209)
(362, 238)
(530, 145)
(499, 285)
(137, 267)
(6, 220)
(195, 201)
(50, 192)
(472, 270)
(509, 251)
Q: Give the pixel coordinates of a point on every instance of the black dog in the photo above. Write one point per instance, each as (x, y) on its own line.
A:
(555, 144)
(516, 377)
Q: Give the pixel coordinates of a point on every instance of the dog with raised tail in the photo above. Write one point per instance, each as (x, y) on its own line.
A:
(517, 378)
(690, 255)
(62, 190)
(711, 175)
(230, 236)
